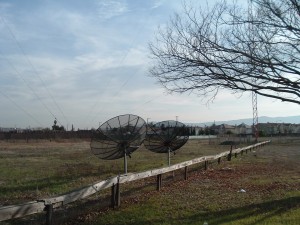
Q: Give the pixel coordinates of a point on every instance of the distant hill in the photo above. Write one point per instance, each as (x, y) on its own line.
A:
(249, 121)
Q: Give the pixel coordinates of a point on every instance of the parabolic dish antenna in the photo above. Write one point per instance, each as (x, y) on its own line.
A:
(119, 137)
(166, 137)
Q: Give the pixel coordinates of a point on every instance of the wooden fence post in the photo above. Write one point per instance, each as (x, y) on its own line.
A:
(205, 164)
(118, 195)
(230, 154)
(219, 160)
(186, 173)
(49, 213)
(159, 181)
(113, 195)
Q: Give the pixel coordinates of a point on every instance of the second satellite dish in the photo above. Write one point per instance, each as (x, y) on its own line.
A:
(119, 137)
(166, 137)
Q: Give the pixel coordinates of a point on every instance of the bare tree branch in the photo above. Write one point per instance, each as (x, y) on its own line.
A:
(223, 48)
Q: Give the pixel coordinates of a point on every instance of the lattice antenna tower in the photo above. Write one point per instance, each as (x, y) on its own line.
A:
(254, 94)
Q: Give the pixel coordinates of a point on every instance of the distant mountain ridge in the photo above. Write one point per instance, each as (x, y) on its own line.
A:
(249, 121)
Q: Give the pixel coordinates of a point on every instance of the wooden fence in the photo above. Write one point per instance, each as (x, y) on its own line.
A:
(16, 211)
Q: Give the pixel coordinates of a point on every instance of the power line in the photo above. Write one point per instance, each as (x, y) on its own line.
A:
(34, 69)
(27, 84)
(127, 80)
(122, 60)
(21, 108)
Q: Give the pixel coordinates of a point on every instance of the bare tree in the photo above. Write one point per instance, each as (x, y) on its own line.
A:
(231, 47)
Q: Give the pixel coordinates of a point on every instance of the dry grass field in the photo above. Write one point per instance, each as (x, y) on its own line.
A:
(40, 169)
(270, 176)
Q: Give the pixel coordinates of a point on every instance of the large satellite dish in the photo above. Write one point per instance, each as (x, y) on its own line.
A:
(119, 137)
(166, 137)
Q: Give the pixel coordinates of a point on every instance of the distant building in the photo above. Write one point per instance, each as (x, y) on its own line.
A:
(267, 129)
(226, 129)
(9, 129)
(279, 128)
(244, 130)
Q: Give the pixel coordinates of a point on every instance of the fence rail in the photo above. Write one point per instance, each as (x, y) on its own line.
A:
(16, 211)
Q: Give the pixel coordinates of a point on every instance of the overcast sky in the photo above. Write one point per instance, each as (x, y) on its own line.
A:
(84, 62)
